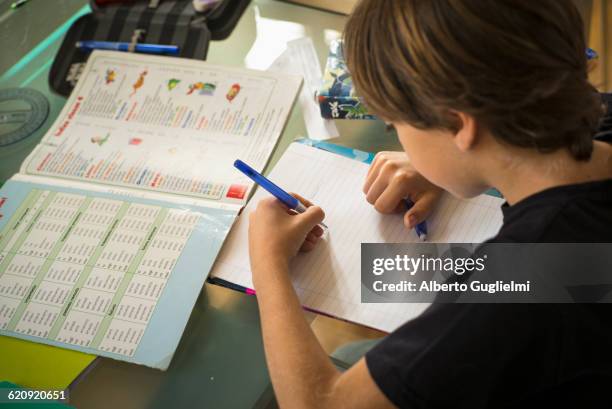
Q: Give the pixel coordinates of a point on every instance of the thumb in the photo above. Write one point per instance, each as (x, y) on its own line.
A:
(310, 218)
(421, 210)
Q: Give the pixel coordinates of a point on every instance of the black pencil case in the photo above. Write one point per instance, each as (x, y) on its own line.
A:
(172, 22)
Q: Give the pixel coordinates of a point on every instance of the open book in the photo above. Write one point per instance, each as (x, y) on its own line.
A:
(328, 279)
(111, 228)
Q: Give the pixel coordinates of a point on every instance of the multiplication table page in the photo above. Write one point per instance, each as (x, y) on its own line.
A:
(102, 273)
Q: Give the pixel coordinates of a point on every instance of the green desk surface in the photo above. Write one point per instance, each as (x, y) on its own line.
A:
(220, 361)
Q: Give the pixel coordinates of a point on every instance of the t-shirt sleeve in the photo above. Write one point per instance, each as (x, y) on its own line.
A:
(453, 355)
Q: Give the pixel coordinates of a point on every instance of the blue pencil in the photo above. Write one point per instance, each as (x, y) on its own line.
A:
(122, 46)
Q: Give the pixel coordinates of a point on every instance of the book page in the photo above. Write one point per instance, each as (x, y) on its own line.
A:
(102, 273)
(166, 125)
(328, 279)
(125, 192)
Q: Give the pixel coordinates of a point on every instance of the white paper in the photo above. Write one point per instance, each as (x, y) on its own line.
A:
(167, 125)
(328, 278)
(301, 59)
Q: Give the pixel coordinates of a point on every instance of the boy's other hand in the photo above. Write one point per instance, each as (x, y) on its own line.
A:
(277, 234)
(391, 179)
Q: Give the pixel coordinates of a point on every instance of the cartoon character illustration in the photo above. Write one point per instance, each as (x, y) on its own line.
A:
(233, 92)
(111, 75)
(208, 89)
(203, 88)
(357, 111)
(342, 84)
(334, 108)
(99, 140)
(172, 83)
(139, 82)
(194, 87)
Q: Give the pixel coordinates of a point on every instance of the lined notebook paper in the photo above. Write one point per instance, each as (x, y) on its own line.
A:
(328, 279)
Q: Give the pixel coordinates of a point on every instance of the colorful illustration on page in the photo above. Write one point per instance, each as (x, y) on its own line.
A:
(139, 82)
(110, 77)
(99, 140)
(194, 87)
(208, 89)
(233, 92)
(203, 88)
(173, 83)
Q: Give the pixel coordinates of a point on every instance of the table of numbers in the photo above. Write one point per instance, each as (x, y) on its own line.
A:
(87, 271)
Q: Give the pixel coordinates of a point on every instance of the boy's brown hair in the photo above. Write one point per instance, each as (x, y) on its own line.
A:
(517, 66)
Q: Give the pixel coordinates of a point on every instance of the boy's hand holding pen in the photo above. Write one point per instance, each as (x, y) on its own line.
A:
(278, 233)
(392, 185)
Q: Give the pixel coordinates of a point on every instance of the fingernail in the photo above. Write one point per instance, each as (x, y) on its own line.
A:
(412, 221)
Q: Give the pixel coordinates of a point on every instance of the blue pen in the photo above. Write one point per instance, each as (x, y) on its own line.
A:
(121, 46)
(591, 54)
(421, 228)
(288, 200)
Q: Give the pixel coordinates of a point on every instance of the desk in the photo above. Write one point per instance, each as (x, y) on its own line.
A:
(220, 361)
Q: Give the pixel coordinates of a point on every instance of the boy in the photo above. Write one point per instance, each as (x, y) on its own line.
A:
(482, 94)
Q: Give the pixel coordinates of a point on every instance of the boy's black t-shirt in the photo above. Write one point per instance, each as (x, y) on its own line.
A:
(511, 355)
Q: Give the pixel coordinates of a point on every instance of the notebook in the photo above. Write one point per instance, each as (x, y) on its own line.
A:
(110, 230)
(328, 279)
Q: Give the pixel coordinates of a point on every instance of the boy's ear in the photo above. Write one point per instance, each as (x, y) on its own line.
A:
(467, 131)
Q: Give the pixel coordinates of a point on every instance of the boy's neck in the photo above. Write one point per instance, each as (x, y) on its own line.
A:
(536, 173)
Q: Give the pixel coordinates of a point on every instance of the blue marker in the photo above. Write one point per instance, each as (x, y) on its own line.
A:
(121, 46)
(421, 228)
(288, 200)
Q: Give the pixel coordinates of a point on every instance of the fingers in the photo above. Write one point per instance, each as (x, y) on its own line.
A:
(308, 221)
(312, 239)
(382, 177)
(311, 217)
(305, 202)
(272, 204)
(314, 212)
(374, 170)
(391, 186)
(422, 208)
(317, 231)
(393, 196)
(307, 246)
